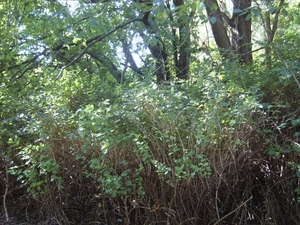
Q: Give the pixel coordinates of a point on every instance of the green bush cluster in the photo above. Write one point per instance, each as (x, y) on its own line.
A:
(116, 141)
(176, 136)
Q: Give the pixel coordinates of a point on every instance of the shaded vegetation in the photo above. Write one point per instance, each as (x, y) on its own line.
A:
(91, 135)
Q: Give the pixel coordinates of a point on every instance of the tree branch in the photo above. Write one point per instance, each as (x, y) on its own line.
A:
(26, 62)
(94, 40)
(275, 22)
(129, 59)
(108, 64)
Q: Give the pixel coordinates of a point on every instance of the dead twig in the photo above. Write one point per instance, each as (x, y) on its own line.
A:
(232, 211)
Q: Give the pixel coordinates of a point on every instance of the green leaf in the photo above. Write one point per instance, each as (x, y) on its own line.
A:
(128, 183)
(296, 122)
(146, 7)
(237, 11)
(203, 17)
(256, 12)
(296, 148)
(162, 15)
(200, 81)
(212, 20)
(213, 7)
(297, 134)
(272, 10)
(271, 152)
(200, 6)
(153, 41)
(248, 17)
(284, 12)
(93, 22)
(283, 125)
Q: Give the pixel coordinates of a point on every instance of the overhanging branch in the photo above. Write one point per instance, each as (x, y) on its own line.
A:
(58, 48)
(93, 41)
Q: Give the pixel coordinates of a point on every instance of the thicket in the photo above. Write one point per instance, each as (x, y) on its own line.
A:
(221, 148)
(211, 152)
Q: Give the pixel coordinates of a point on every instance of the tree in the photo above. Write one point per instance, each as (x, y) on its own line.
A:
(84, 128)
(77, 40)
(271, 25)
(110, 36)
(238, 24)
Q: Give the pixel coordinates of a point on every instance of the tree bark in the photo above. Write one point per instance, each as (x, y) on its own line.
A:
(243, 32)
(270, 31)
(239, 46)
(182, 60)
(112, 68)
(219, 29)
(129, 58)
(158, 52)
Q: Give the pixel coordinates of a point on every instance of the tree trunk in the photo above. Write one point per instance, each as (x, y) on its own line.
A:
(270, 30)
(240, 45)
(243, 32)
(182, 59)
(219, 29)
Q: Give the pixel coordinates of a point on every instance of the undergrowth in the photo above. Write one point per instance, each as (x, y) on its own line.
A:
(178, 154)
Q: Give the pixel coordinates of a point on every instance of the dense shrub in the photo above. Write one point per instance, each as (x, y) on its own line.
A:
(157, 155)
